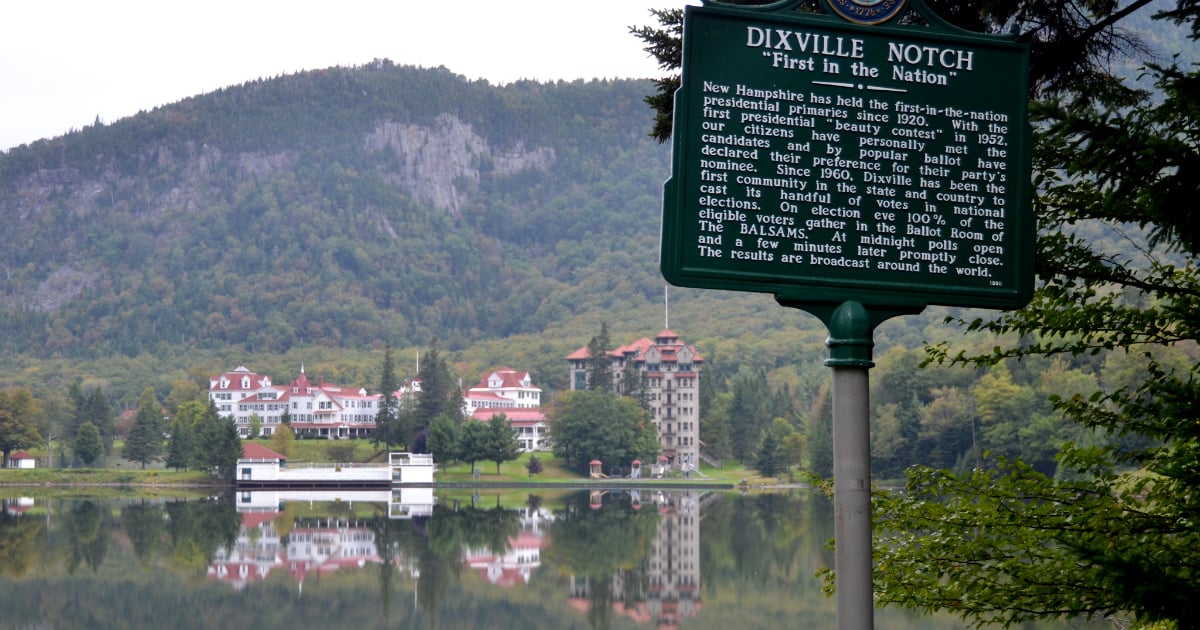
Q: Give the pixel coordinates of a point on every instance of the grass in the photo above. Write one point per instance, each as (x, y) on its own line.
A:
(104, 477)
(554, 471)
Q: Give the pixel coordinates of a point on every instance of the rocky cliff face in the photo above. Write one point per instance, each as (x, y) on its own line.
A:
(434, 160)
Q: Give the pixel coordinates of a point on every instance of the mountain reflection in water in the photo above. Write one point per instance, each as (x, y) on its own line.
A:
(374, 559)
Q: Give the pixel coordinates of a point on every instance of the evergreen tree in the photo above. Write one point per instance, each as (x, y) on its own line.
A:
(599, 366)
(771, 459)
(181, 445)
(99, 412)
(439, 393)
(145, 441)
(218, 446)
(444, 438)
(749, 413)
(636, 385)
(472, 443)
(534, 466)
(820, 436)
(182, 448)
(714, 429)
(775, 455)
(89, 446)
(387, 417)
(500, 441)
(93, 407)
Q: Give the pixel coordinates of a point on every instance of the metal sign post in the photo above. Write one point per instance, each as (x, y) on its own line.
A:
(858, 171)
(851, 326)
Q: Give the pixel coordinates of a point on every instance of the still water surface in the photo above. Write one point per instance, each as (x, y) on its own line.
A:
(550, 559)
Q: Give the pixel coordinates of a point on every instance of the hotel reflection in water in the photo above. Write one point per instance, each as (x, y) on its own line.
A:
(662, 591)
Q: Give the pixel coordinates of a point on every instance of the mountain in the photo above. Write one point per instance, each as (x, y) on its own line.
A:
(344, 206)
(347, 208)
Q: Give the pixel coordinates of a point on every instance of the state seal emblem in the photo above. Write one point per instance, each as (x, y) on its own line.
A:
(867, 11)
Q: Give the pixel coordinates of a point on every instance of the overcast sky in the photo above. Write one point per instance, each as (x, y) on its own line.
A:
(65, 62)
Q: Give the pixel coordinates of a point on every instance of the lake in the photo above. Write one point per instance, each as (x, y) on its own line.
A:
(523, 559)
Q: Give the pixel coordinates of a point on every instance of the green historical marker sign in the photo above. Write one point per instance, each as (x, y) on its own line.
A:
(826, 159)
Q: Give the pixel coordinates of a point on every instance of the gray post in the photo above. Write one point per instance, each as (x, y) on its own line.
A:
(852, 498)
(851, 327)
(850, 347)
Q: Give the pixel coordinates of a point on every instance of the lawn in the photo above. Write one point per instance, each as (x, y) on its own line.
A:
(105, 477)
(122, 472)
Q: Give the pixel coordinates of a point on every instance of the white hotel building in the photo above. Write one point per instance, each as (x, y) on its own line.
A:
(320, 410)
(330, 411)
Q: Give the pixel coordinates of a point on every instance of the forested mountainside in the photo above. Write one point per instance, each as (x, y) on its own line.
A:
(343, 207)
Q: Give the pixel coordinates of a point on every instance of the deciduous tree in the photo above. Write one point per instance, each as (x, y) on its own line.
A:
(283, 440)
(17, 422)
(587, 425)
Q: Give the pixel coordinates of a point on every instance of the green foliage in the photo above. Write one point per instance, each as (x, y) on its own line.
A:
(388, 431)
(88, 444)
(1009, 545)
(444, 441)
(17, 422)
(749, 413)
(283, 440)
(301, 193)
(340, 451)
(500, 441)
(439, 394)
(820, 438)
(533, 465)
(774, 455)
(92, 407)
(589, 425)
(599, 364)
(217, 445)
(472, 443)
(1112, 533)
(182, 443)
(254, 427)
(145, 441)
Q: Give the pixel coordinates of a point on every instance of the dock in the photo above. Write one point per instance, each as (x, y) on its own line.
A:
(260, 468)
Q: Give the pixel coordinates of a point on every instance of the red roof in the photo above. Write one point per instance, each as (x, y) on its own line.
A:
(508, 378)
(252, 450)
(581, 353)
(517, 416)
(21, 455)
